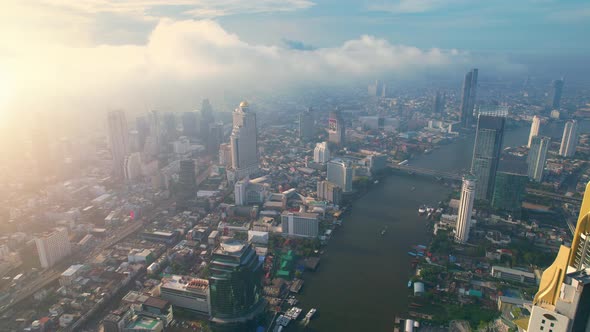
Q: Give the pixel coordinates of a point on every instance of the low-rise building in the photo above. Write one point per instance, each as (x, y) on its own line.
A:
(187, 293)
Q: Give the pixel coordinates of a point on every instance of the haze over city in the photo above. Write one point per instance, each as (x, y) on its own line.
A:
(294, 165)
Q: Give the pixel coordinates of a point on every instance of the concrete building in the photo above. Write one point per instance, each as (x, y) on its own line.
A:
(340, 173)
(336, 129)
(188, 293)
(248, 191)
(569, 140)
(70, 274)
(509, 274)
(132, 167)
(53, 247)
(321, 153)
(306, 128)
(244, 142)
(118, 140)
(537, 157)
(556, 93)
(330, 192)
(486, 153)
(225, 154)
(535, 125)
(300, 224)
(465, 209)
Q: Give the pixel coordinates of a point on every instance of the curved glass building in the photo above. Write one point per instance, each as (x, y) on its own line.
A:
(235, 283)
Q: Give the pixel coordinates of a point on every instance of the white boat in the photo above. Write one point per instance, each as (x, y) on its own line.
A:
(421, 210)
(310, 313)
(293, 313)
(376, 182)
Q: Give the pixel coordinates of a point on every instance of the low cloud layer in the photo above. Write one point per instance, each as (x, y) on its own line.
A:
(190, 59)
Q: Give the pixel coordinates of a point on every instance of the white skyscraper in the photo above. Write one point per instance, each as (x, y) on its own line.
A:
(537, 157)
(132, 166)
(118, 139)
(569, 141)
(534, 129)
(53, 247)
(321, 153)
(465, 209)
(244, 142)
(340, 173)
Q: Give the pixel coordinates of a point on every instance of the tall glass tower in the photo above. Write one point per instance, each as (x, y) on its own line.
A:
(486, 153)
(235, 283)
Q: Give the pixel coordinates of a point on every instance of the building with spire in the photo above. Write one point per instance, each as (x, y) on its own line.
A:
(562, 303)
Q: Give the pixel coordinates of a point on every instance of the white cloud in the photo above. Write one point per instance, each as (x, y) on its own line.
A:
(409, 6)
(184, 58)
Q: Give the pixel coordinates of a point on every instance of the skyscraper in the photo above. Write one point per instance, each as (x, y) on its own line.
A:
(244, 142)
(486, 153)
(336, 129)
(556, 94)
(511, 181)
(562, 302)
(465, 209)
(190, 123)
(235, 283)
(206, 119)
(170, 127)
(534, 129)
(468, 97)
(215, 137)
(118, 140)
(321, 153)
(438, 103)
(569, 140)
(306, 129)
(187, 184)
(53, 247)
(340, 173)
(537, 157)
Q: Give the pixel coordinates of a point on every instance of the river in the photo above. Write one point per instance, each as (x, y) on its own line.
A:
(361, 283)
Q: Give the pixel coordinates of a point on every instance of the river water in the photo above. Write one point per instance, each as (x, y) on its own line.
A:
(361, 283)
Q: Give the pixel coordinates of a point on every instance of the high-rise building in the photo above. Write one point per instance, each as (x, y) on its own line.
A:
(556, 93)
(215, 137)
(253, 191)
(465, 209)
(330, 192)
(321, 153)
(340, 173)
(187, 184)
(438, 103)
(562, 302)
(53, 247)
(537, 157)
(235, 283)
(534, 129)
(468, 97)
(143, 130)
(170, 127)
(190, 124)
(300, 224)
(225, 154)
(118, 140)
(511, 181)
(569, 140)
(336, 128)
(132, 166)
(486, 153)
(206, 119)
(244, 142)
(306, 129)
(156, 133)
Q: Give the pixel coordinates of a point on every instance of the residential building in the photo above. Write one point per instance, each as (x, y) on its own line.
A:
(537, 157)
(244, 142)
(330, 192)
(569, 140)
(336, 129)
(53, 247)
(321, 153)
(465, 209)
(340, 173)
(118, 140)
(306, 128)
(535, 125)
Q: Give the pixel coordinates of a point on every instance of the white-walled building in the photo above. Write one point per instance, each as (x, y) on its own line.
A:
(53, 247)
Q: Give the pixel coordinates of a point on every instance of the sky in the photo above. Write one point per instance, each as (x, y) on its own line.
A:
(105, 54)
